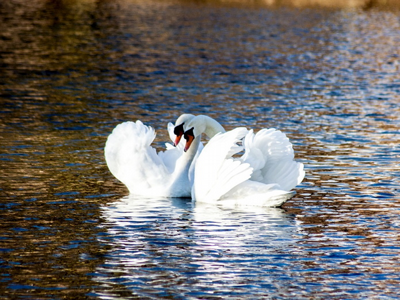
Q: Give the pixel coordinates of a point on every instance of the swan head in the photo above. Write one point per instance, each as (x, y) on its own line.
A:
(189, 137)
(198, 125)
(179, 127)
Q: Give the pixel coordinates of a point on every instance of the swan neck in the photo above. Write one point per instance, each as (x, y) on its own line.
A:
(180, 178)
(191, 152)
(185, 160)
(212, 127)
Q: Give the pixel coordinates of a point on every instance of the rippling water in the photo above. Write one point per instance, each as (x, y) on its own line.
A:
(72, 70)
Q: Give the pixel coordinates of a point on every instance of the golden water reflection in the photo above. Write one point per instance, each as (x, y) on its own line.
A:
(360, 4)
(72, 70)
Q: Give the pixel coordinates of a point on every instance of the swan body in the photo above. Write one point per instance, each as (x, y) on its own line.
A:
(146, 173)
(262, 176)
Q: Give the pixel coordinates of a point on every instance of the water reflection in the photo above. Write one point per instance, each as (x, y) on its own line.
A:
(349, 4)
(46, 245)
(176, 247)
(72, 70)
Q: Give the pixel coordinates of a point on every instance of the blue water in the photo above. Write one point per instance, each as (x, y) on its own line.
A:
(71, 71)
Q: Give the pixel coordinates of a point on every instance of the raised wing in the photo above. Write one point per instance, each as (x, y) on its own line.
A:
(271, 155)
(132, 160)
(216, 171)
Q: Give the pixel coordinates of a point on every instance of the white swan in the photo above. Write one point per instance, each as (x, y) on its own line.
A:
(146, 173)
(262, 176)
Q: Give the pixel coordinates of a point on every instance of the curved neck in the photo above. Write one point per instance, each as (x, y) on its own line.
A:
(180, 179)
(211, 126)
(183, 163)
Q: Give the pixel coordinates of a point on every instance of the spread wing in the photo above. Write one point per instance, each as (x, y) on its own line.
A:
(132, 160)
(271, 155)
(216, 171)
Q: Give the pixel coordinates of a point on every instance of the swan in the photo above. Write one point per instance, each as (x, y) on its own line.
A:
(262, 176)
(146, 173)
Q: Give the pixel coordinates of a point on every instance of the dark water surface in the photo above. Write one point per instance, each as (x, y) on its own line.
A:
(70, 71)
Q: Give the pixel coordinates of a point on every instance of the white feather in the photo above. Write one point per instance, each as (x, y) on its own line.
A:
(263, 176)
(132, 160)
(216, 172)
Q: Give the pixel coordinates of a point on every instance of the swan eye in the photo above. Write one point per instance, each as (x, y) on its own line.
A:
(178, 130)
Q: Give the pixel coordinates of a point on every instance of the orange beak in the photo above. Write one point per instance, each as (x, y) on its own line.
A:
(189, 140)
(177, 140)
(178, 131)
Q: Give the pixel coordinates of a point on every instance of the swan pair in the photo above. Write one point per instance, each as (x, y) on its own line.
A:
(262, 176)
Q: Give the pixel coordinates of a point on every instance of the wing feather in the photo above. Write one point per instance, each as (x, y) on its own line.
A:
(131, 159)
(216, 172)
(271, 155)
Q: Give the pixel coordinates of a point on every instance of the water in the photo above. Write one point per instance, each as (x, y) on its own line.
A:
(71, 71)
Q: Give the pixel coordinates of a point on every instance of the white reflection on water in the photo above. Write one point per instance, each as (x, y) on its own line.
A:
(329, 79)
(173, 245)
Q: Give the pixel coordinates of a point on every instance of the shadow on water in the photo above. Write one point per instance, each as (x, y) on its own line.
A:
(71, 70)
